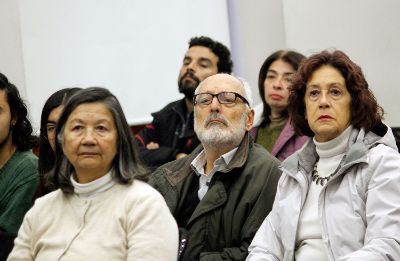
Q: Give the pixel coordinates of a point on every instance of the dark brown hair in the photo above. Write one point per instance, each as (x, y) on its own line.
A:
(22, 136)
(46, 153)
(365, 111)
(225, 63)
(291, 57)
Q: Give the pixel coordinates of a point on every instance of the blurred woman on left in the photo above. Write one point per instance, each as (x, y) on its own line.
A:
(51, 112)
(105, 210)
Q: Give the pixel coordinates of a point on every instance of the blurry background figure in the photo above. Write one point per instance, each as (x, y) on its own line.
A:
(18, 165)
(104, 208)
(51, 112)
(338, 197)
(273, 129)
(171, 135)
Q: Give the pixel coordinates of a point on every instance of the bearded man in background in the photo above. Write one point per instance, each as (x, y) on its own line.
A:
(170, 135)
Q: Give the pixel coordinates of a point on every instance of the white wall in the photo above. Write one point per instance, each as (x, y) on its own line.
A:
(257, 30)
(367, 30)
(11, 60)
(134, 48)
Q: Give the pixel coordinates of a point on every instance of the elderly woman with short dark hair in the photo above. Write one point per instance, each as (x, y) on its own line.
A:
(338, 197)
(103, 209)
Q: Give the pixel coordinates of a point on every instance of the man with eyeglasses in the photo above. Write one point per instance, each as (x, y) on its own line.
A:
(221, 192)
(171, 135)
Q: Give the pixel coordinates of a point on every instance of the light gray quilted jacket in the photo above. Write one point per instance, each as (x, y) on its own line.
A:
(359, 207)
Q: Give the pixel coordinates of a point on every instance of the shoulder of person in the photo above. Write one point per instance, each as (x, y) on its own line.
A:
(261, 165)
(172, 169)
(260, 154)
(25, 162)
(27, 157)
(140, 190)
(382, 153)
(47, 201)
(169, 108)
(140, 194)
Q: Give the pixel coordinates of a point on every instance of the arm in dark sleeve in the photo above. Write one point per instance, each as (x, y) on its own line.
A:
(154, 157)
(7, 243)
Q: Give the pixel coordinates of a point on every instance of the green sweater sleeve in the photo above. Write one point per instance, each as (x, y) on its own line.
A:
(18, 182)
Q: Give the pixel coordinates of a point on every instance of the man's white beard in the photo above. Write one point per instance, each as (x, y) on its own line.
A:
(218, 135)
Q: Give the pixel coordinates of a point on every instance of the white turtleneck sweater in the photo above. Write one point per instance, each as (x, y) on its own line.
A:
(102, 220)
(91, 189)
(309, 242)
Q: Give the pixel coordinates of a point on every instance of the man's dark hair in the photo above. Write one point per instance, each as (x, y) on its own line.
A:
(288, 56)
(225, 63)
(22, 129)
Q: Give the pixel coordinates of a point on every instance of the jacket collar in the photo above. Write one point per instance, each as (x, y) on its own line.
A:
(302, 160)
(238, 160)
(217, 194)
(215, 197)
(358, 146)
(286, 134)
(180, 108)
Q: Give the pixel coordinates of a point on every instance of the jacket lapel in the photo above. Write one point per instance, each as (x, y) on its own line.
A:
(215, 197)
(286, 134)
(175, 177)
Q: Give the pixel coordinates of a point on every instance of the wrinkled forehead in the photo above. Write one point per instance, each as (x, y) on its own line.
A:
(221, 83)
(91, 111)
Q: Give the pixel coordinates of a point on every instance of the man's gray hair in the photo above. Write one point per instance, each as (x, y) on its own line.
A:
(126, 164)
(247, 90)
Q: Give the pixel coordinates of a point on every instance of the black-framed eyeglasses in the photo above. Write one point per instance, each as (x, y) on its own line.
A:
(223, 98)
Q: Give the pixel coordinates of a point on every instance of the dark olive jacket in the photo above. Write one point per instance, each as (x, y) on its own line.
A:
(225, 221)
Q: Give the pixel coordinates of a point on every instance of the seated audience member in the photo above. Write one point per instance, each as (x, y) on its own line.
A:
(103, 210)
(274, 130)
(223, 190)
(171, 135)
(51, 112)
(338, 197)
(18, 165)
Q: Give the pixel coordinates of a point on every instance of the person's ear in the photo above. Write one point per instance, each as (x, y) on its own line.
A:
(250, 119)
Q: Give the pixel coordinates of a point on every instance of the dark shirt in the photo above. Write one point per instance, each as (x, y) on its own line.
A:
(172, 128)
